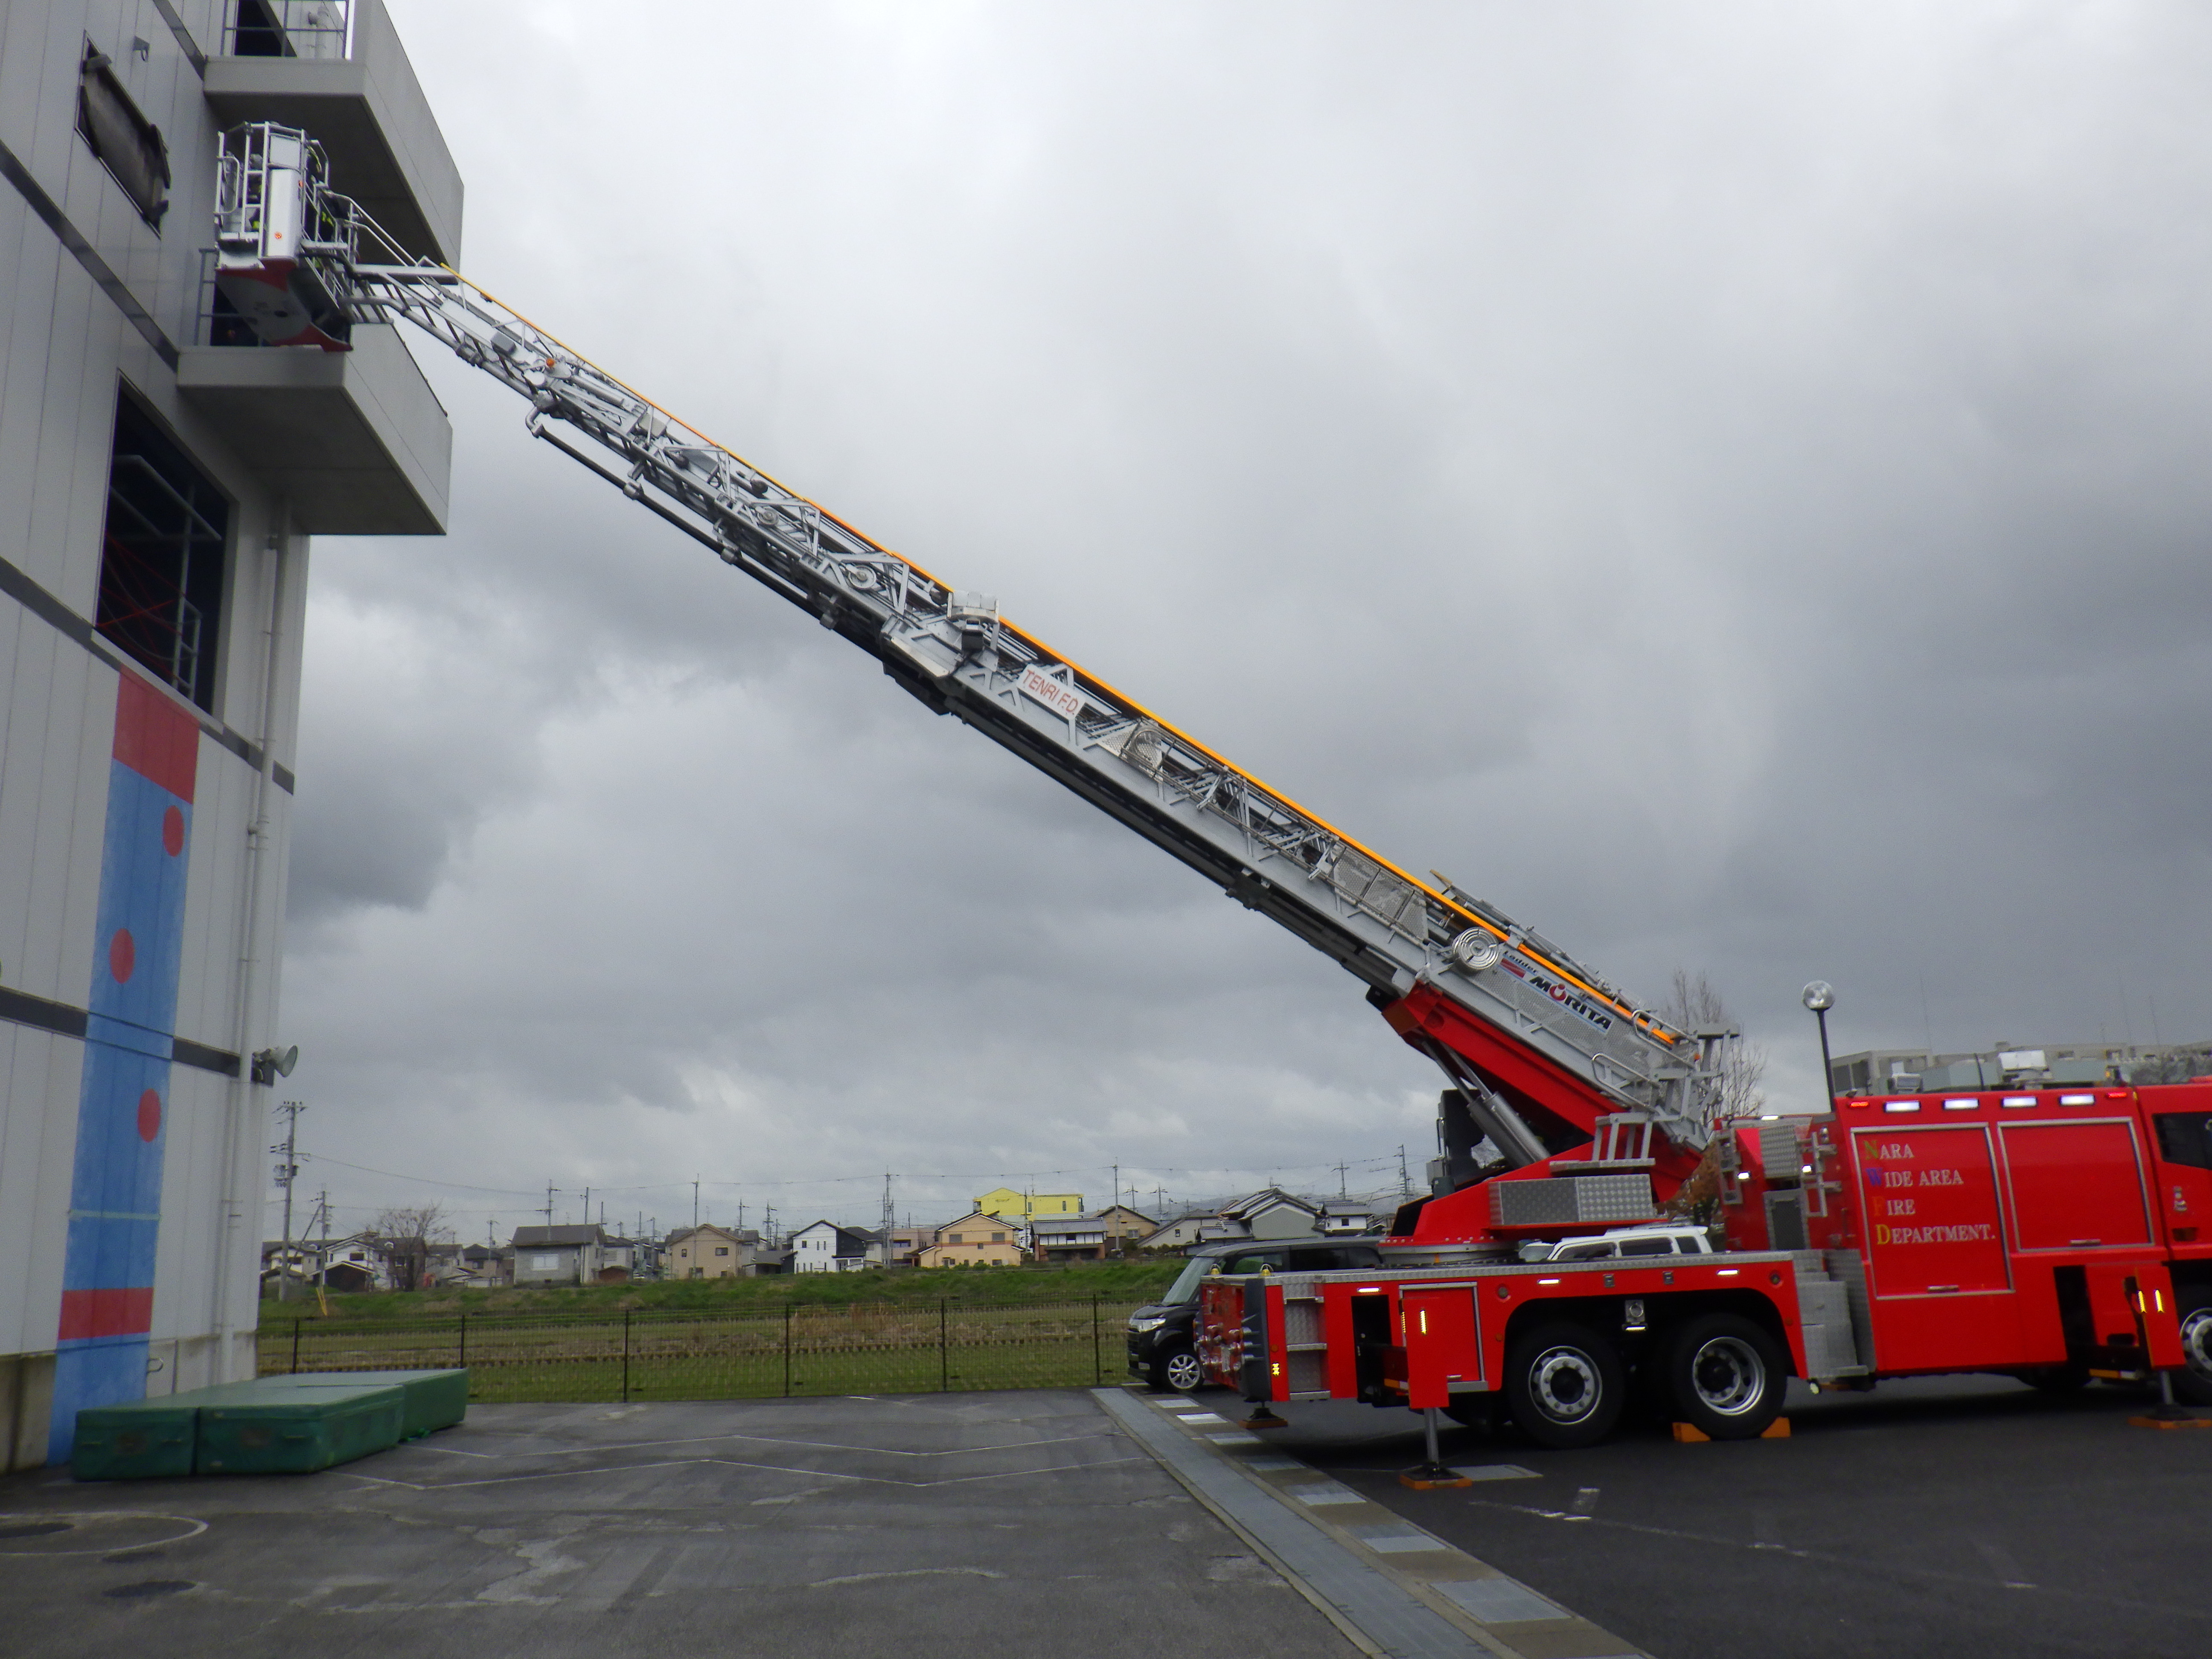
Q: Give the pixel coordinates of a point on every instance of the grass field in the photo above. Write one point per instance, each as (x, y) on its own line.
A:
(1131, 1282)
(733, 1352)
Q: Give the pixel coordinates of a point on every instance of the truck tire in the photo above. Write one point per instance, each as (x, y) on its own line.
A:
(2193, 1381)
(1178, 1369)
(1727, 1375)
(1564, 1385)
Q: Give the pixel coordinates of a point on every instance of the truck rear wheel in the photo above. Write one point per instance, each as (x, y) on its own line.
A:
(1727, 1375)
(1564, 1385)
(2193, 1381)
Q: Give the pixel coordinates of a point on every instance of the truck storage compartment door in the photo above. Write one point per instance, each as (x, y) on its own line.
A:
(2076, 1186)
(1938, 1274)
(1443, 1342)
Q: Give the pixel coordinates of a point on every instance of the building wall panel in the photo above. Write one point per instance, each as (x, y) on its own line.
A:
(41, 1074)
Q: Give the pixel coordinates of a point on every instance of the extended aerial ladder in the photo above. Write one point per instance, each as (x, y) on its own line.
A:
(1593, 1105)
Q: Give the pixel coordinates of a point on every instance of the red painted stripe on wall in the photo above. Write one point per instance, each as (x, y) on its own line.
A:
(107, 1313)
(155, 739)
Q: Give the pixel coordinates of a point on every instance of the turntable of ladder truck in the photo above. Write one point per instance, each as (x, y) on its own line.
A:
(2054, 1235)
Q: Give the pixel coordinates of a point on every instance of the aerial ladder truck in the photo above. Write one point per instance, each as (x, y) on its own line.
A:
(2053, 1234)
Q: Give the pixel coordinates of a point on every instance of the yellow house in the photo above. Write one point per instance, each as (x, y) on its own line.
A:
(976, 1240)
(706, 1252)
(1014, 1206)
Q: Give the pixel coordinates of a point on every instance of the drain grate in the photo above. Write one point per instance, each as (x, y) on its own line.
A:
(148, 1587)
(34, 1528)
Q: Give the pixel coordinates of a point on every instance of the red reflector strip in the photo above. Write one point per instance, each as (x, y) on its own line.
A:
(107, 1313)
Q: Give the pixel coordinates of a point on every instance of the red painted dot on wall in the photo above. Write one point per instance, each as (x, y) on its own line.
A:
(173, 832)
(149, 1115)
(122, 955)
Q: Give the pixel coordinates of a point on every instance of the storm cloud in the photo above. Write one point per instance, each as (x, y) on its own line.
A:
(1724, 481)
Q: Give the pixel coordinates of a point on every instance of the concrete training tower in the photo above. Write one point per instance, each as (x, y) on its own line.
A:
(161, 475)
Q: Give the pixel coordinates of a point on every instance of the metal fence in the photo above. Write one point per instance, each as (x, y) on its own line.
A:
(861, 1348)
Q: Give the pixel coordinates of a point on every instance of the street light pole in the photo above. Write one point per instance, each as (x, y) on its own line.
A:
(1820, 996)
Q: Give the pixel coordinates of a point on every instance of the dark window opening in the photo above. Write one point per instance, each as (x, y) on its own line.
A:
(2185, 1138)
(162, 557)
(256, 34)
(287, 28)
(128, 144)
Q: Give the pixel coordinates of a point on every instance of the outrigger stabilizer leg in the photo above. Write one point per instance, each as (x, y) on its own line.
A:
(1432, 1475)
(2166, 1415)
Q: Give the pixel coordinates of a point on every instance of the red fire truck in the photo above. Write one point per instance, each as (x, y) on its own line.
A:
(2046, 1233)
(2051, 1234)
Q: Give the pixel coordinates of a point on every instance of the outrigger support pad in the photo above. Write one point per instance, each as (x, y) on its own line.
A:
(1432, 1475)
(2166, 1415)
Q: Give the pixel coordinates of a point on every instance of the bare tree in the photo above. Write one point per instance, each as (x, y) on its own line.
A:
(406, 1233)
(1691, 1002)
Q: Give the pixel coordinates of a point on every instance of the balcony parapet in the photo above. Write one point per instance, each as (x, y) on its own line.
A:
(355, 440)
(336, 70)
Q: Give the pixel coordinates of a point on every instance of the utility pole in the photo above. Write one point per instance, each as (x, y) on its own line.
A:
(1340, 1170)
(741, 1215)
(285, 1173)
(694, 1206)
(1405, 1180)
(768, 1227)
(323, 1260)
(889, 1220)
(550, 1190)
(588, 1206)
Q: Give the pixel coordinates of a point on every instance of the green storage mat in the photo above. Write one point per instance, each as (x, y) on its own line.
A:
(284, 1430)
(436, 1399)
(143, 1440)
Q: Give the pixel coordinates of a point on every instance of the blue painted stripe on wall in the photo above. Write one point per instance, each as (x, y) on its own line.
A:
(123, 1103)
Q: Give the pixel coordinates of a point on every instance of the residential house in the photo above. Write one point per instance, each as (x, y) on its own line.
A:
(826, 1247)
(471, 1266)
(1347, 1217)
(564, 1256)
(618, 1259)
(1092, 1235)
(1186, 1231)
(907, 1242)
(1012, 1205)
(359, 1262)
(712, 1252)
(1270, 1212)
(978, 1239)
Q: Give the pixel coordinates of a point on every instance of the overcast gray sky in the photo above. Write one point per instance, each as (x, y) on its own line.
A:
(1725, 482)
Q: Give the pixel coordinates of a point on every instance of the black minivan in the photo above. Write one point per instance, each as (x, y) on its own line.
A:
(1161, 1348)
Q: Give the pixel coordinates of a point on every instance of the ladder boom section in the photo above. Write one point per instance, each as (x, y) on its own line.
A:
(956, 652)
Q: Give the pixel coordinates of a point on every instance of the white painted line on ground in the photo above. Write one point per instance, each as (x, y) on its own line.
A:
(1396, 1541)
(1498, 1471)
(1236, 1438)
(1328, 1492)
(1501, 1601)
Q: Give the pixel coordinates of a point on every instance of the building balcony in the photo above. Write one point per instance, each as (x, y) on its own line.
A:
(355, 440)
(335, 69)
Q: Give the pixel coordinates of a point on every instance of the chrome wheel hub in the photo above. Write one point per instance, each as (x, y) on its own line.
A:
(1564, 1382)
(1727, 1376)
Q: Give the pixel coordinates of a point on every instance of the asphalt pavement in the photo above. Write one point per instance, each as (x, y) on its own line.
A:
(1961, 1516)
(952, 1525)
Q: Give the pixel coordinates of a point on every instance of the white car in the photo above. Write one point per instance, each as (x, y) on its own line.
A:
(1677, 1240)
